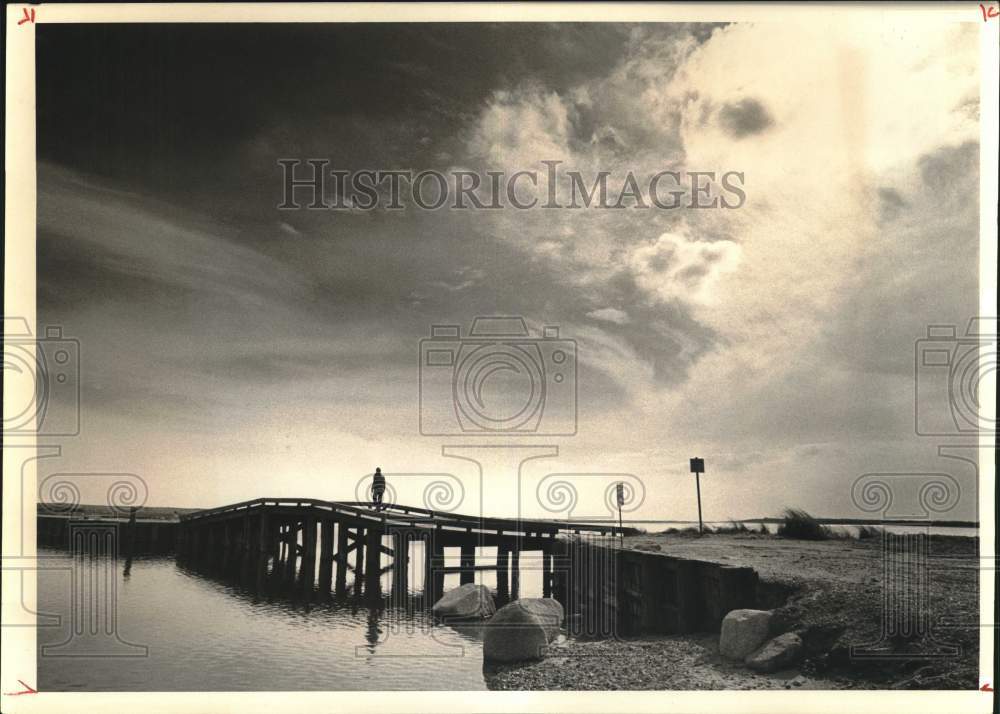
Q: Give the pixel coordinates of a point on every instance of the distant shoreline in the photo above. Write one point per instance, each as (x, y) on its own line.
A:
(168, 512)
(824, 521)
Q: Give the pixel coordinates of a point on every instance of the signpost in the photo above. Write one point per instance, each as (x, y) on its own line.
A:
(698, 468)
(621, 502)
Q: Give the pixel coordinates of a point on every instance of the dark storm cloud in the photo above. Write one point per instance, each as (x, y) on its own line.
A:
(890, 203)
(949, 167)
(160, 104)
(745, 118)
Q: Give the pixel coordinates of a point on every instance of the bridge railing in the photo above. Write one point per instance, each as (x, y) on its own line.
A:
(409, 516)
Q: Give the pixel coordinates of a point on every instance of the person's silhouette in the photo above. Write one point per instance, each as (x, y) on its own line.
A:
(378, 488)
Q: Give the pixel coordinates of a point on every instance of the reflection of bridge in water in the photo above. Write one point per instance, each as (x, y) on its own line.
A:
(284, 540)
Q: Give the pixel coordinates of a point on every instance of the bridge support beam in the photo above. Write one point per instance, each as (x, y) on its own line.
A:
(264, 547)
(359, 560)
(291, 550)
(503, 570)
(341, 558)
(400, 562)
(307, 575)
(428, 550)
(515, 571)
(325, 555)
(547, 571)
(468, 563)
(373, 563)
(433, 568)
(247, 543)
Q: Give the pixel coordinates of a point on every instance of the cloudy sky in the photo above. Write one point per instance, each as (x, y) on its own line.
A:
(231, 350)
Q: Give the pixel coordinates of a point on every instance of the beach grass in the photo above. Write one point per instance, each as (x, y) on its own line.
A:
(801, 525)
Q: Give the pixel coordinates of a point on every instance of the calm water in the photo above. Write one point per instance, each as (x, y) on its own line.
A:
(180, 630)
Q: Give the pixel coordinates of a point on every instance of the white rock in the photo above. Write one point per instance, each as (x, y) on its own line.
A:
(522, 630)
(743, 631)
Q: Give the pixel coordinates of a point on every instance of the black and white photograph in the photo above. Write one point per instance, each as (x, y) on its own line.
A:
(481, 350)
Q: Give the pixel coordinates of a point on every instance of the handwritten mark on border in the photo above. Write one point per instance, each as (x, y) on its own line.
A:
(27, 690)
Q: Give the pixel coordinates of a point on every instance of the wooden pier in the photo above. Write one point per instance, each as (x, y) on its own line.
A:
(300, 547)
(318, 544)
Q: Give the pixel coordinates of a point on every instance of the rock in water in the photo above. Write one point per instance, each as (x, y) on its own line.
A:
(521, 630)
(781, 652)
(743, 631)
(470, 601)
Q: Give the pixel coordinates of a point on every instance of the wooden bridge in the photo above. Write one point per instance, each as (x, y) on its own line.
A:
(289, 537)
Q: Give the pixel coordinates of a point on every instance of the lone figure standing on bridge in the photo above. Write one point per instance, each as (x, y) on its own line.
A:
(378, 488)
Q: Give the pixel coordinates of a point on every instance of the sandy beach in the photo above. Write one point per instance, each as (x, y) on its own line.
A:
(830, 591)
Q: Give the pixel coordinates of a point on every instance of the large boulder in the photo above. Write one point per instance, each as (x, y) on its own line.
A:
(780, 653)
(743, 631)
(467, 602)
(521, 630)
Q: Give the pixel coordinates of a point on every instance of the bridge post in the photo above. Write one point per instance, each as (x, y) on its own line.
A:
(274, 539)
(227, 543)
(246, 543)
(428, 585)
(325, 554)
(264, 545)
(547, 570)
(282, 550)
(556, 551)
(373, 562)
(515, 570)
(400, 562)
(292, 547)
(438, 580)
(341, 557)
(308, 573)
(503, 570)
(359, 559)
(468, 564)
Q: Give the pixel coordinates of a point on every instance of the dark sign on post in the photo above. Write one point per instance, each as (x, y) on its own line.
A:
(698, 468)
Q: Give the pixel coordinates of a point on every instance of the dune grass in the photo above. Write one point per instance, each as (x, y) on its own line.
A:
(734, 527)
(801, 525)
(866, 532)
